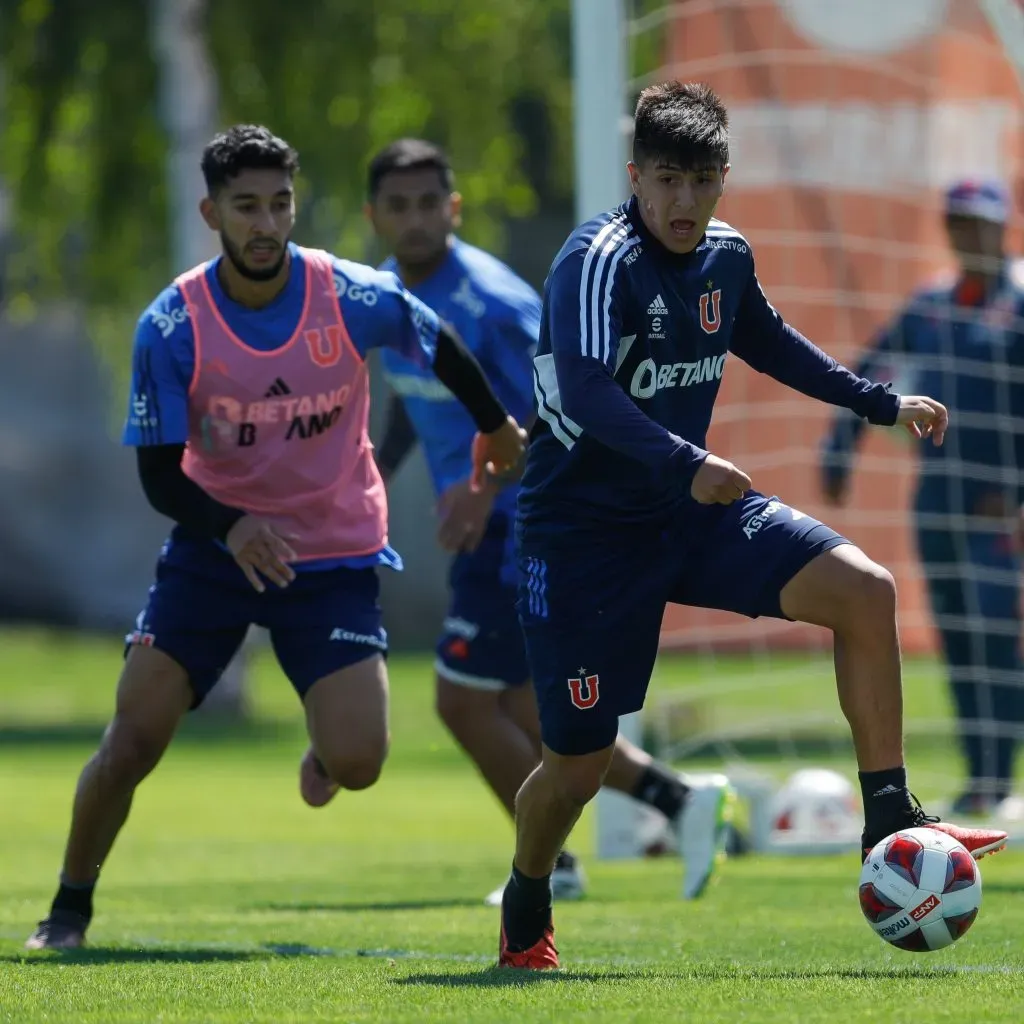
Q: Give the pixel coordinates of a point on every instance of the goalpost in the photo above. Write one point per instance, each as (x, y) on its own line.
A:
(848, 120)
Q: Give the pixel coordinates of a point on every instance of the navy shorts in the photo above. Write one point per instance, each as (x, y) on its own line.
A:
(201, 606)
(591, 608)
(481, 643)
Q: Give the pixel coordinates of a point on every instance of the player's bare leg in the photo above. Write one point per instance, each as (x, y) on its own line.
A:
(152, 696)
(856, 598)
(846, 592)
(489, 725)
(547, 808)
(347, 721)
(699, 808)
(479, 720)
(551, 801)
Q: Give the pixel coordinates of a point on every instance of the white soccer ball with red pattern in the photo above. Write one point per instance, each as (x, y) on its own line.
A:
(920, 889)
(816, 804)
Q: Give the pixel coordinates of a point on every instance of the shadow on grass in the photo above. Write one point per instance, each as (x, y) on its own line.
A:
(356, 908)
(494, 977)
(193, 731)
(99, 955)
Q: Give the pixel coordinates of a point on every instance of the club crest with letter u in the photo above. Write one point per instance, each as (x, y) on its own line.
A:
(585, 690)
(711, 311)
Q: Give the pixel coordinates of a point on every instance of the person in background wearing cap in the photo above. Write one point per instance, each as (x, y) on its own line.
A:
(962, 340)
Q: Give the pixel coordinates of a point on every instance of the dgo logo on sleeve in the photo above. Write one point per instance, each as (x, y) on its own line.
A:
(345, 289)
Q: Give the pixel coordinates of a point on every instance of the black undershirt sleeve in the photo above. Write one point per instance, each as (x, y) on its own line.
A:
(174, 495)
(399, 438)
(457, 369)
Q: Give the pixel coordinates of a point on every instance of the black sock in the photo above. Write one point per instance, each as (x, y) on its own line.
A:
(662, 789)
(887, 802)
(525, 910)
(74, 897)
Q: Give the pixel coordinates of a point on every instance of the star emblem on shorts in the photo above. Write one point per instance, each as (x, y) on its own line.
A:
(582, 671)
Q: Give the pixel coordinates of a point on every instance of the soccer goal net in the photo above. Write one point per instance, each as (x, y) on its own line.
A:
(848, 121)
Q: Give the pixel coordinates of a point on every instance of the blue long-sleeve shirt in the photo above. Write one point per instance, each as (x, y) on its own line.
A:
(634, 341)
(497, 315)
(967, 351)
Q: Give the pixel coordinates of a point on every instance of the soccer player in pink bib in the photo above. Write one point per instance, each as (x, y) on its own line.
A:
(249, 410)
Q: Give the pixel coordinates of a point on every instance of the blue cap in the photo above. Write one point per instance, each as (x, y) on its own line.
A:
(986, 200)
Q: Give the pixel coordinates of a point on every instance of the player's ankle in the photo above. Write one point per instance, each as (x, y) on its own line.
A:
(888, 804)
(75, 898)
(659, 787)
(525, 910)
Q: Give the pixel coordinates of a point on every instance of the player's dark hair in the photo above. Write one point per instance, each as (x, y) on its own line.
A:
(245, 147)
(409, 155)
(682, 124)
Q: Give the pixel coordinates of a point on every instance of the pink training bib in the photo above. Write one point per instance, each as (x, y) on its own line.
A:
(284, 434)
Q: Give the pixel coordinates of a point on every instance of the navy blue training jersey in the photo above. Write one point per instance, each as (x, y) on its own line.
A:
(633, 345)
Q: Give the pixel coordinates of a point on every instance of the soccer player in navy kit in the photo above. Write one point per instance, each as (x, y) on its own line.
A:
(622, 510)
(963, 339)
(481, 676)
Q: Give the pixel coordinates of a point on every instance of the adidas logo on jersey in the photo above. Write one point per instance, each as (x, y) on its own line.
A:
(656, 311)
(277, 389)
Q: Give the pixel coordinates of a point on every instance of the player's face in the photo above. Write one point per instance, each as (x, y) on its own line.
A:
(978, 243)
(255, 214)
(677, 204)
(414, 215)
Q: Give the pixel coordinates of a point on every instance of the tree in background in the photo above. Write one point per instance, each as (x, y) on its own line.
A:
(85, 149)
(106, 105)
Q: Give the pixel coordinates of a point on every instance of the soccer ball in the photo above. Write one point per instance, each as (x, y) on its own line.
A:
(816, 804)
(920, 889)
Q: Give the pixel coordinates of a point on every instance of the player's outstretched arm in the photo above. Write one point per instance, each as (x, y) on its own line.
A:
(252, 542)
(501, 442)
(400, 321)
(839, 449)
(399, 438)
(766, 342)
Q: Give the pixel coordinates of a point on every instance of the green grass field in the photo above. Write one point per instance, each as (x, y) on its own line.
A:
(226, 899)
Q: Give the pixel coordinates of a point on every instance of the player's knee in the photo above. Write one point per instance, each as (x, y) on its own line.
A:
(850, 593)
(580, 789)
(356, 769)
(129, 751)
(577, 779)
(871, 598)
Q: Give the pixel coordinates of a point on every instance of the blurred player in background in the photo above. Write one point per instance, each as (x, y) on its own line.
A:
(622, 510)
(482, 679)
(962, 340)
(249, 408)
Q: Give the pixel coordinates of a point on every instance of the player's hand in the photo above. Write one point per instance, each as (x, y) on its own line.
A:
(463, 515)
(497, 453)
(923, 417)
(257, 548)
(718, 482)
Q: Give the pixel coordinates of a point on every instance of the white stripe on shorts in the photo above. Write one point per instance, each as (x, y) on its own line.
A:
(467, 680)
